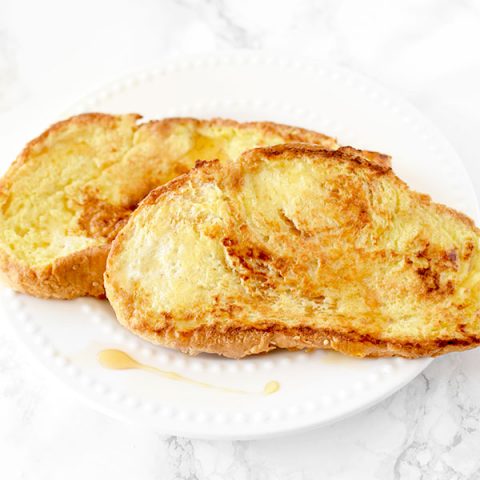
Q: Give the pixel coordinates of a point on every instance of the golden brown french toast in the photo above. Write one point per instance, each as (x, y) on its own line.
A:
(294, 246)
(71, 189)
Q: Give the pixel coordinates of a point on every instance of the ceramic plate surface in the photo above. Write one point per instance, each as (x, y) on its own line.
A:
(316, 388)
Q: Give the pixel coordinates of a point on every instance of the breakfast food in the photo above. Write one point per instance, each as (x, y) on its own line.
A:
(71, 189)
(295, 246)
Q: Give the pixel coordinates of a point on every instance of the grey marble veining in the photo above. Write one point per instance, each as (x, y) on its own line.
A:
(51, 52)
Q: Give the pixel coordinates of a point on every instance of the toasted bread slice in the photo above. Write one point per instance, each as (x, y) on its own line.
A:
(72, 188)
(297, 247)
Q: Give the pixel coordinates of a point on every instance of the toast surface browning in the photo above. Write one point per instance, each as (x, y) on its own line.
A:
(70, 191)
(297, 247)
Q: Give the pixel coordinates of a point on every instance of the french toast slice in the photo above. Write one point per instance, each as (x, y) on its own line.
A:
(71, 189)
(295, 247)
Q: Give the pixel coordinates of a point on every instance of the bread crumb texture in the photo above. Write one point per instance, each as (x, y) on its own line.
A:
(294, 246)
(72, 189)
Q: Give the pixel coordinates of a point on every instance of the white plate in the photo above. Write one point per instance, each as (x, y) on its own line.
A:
(316, 388)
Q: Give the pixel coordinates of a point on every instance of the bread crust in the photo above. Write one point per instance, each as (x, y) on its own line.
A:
(81, 273)
(239, 342)
(237, 339)
(289, 133)
(69, 277)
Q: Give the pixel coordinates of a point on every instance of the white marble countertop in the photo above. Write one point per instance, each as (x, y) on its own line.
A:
(52, 52)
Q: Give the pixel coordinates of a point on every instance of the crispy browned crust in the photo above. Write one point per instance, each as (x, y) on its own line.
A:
(81, 274)
(289, 133)
(73, 276)
(237, 340)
